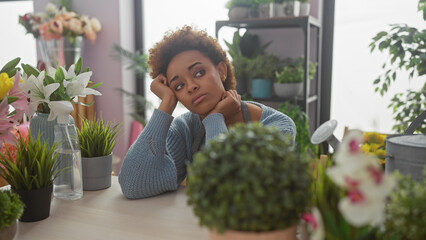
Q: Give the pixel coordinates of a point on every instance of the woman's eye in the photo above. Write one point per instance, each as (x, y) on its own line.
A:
(200, 73)
(178, 86)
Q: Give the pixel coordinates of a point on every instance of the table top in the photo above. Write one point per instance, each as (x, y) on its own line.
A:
(107, 214)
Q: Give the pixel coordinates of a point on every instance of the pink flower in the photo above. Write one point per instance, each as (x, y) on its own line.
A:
(315, 224)
(22, 104)
(6, 124)
(46, 34)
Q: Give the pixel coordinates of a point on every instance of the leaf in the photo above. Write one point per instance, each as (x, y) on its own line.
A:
(10, 65)
(86, 70)
(96, 85)
(29, 70)
(59, 75)
(77, 68)
(12, 72)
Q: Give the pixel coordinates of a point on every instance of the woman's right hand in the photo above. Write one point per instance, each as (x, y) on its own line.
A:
(159, 87)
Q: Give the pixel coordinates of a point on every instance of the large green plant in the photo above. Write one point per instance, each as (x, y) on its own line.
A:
(11, 208)
(249, 179)
(303, 140)
(35, 165)
(263, 66)
(406, 47)
(97, 138)
(406, 212)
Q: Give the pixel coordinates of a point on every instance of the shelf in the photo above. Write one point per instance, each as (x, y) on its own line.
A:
(281, 22)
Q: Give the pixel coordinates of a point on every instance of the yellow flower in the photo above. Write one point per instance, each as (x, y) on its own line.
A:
(6, 84)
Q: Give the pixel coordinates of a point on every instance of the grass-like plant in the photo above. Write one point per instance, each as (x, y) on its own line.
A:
(249, 179)
(97, 138)
(11, 208)
(34, 167)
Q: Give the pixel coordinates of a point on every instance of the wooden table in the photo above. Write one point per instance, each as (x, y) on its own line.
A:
(107, 214)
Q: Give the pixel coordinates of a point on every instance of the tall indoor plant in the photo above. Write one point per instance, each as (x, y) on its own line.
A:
(97, 140)
(249, 181)
(11, 209)
(31, 173)
(406, 47)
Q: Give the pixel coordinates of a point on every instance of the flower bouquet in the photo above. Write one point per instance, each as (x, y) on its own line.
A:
(350, 196)
(57, 22)
(59, 33)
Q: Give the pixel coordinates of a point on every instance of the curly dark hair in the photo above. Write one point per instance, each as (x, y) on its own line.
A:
(185, 39)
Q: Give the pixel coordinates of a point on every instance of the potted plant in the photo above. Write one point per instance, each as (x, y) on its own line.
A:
(11, 209)
(305, 7)
(284, 8)
(262, 74)
(300, 119)
(31, 173)
(249, 182)
(97, 140)
(239, 9)
(289, 81)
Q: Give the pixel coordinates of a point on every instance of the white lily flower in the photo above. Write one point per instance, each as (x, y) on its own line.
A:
(78, 86)
(60, 110)
(37, 92)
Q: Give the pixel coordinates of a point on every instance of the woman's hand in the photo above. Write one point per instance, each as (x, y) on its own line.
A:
(159, 87)
(229, 106)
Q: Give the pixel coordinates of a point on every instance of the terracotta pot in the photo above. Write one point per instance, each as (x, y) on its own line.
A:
(8, 233)
(285, 234)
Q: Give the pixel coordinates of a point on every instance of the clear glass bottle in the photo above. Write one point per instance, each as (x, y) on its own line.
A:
(69, 184)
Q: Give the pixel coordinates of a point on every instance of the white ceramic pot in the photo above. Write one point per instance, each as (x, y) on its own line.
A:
(236, 13)
(305, 9)
(288, 90)
(264, 10)
(287, 9)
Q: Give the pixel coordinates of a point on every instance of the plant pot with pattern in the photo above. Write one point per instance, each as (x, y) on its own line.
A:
(31, 174)
(97, 140)
(249, 184)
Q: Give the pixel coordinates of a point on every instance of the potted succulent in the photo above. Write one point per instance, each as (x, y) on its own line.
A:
(249, 183)
(11, 209)
(305, 7)
(97, 140)
(289, 81)
(262, 74)
(31, 173)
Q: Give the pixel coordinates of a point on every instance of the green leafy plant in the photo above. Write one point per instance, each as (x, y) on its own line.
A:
(11, 208)
(293, 71)
(245, 3)
(35, 165)
(264, 66)
(406, 47)
(303, 140)
(136, 61)
(97, 138)
(249, 179)
(406, 212)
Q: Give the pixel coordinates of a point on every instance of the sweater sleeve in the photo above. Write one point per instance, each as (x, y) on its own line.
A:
(148, 169)
(272, 117)
(214, 125)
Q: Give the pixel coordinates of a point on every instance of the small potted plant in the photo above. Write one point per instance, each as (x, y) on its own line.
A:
(284, 8)
(239, 9)
(249, 182)
(305, 7)
(11, 209)
(262, 74)
(31, 174)
(289, 81)
(97, 140)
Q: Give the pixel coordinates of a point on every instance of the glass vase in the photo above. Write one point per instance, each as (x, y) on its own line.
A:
(60, 52)
(69, 184)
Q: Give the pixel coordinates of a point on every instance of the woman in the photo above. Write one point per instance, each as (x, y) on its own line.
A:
(190, 67)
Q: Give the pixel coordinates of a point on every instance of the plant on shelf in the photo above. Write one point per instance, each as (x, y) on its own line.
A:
(97, 140)
(406, 48)
(264, 66)
(240, 3)
(303, 140)
(11, 209)
(293, 70)
(406, 211)
(249, 180)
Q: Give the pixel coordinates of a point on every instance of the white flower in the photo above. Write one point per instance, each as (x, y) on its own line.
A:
(78, 86)
(37, 92)
(60, 110)
(96, 24)
(51, 8)
(315, 224)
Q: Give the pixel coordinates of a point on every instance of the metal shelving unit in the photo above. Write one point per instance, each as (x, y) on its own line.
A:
(311, 97)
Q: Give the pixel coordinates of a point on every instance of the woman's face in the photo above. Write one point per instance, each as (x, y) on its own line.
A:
(196, 81)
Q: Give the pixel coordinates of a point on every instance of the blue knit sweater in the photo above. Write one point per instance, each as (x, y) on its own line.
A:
(156, 162)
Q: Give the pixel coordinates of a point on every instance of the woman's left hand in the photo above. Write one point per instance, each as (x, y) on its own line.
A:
(229, 106)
